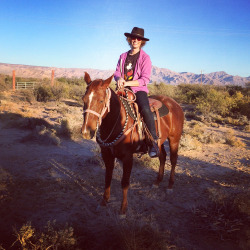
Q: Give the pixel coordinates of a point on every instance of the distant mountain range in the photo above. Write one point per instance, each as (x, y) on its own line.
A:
(158, 74)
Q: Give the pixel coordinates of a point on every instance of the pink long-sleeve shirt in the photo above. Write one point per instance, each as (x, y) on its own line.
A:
(142, 70)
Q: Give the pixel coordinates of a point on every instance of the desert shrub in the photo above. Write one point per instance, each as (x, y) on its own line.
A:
(5, 82)
(76, 92)
(69, 88)
(196, 133)
(247, 128)
(225, 215)
(232, 140)
(64, 129)
(61, 89)
(59, 92)
(146, 162)
(76, 86)
(51, 238)
(163, 89)
(225, 101)
(189, 142)
(231, 89)
(216, 102)
(242, 104)
(16, 120)
(136, 234)
(42, 135)
(73, 80)
(188, 93)
(28, 95)
(43, 93)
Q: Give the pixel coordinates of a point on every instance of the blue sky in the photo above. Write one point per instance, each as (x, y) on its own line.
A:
(185, 36)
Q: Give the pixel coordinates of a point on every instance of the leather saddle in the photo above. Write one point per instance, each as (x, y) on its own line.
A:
(153, 103)
(156, 106)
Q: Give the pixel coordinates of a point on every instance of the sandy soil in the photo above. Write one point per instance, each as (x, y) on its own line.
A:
(41, 182)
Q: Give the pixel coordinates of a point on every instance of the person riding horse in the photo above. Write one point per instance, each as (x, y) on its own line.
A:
(133, 70)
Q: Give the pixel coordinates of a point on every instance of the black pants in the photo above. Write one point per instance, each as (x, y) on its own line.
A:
(144, 109)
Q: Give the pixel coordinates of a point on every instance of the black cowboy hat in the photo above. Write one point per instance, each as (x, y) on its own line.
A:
(137, 32)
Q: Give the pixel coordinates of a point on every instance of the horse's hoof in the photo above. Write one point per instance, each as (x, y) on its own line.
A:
(169, 190)
(155, 186)
(122, 216)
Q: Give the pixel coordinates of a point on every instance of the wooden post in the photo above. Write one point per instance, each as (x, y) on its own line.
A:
(14, 79)
(52, 77)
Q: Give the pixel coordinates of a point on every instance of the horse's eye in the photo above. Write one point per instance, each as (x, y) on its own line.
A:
(101, 101)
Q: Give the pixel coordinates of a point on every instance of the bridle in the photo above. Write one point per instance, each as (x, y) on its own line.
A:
(105, 108)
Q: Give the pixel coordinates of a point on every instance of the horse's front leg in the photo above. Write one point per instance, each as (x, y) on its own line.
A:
(162, 158)
(109, 161)
(127, 167)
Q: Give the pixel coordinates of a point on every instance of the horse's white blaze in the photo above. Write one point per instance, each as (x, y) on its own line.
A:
(87, 115)
(90, 98)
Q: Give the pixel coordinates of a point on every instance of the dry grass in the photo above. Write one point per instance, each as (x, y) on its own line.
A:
(196, 134)
(146, 162)
(232, 140)
(64, 129)
(27, 237)
(226, 216)
(189, 143)
(247, 128)
(42, 135)
(134, 234)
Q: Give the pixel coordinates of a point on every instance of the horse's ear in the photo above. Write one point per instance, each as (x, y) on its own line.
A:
(107, 81)
(87, 78)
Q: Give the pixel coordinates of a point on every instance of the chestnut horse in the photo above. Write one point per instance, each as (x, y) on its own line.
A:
(103, 111)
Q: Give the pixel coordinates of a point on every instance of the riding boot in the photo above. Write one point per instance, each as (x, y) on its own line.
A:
(149, 120)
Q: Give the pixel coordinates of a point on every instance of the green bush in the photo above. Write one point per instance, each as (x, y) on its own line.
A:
(46, 92)
(225, 101)
(215, 102)
(43, 93)
(242, 104)
(188, 93)
(163, 89)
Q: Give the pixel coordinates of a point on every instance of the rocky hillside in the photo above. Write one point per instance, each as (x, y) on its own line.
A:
(158, 74)
(216, 78)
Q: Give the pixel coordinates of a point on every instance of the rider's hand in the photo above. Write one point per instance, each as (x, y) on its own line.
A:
(120, 83)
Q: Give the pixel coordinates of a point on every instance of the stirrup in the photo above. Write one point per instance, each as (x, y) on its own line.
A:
(154, 150)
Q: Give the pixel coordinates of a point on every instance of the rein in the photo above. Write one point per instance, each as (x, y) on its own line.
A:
(123, 133)
(106, 107)
(120, 137)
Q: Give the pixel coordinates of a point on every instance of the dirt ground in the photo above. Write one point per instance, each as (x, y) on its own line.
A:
(42, 180)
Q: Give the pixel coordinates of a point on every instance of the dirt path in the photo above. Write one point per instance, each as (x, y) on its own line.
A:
(41, 182)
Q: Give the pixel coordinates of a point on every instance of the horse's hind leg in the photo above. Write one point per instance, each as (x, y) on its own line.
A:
(174, 145)
(109, 161)
(162, 158)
